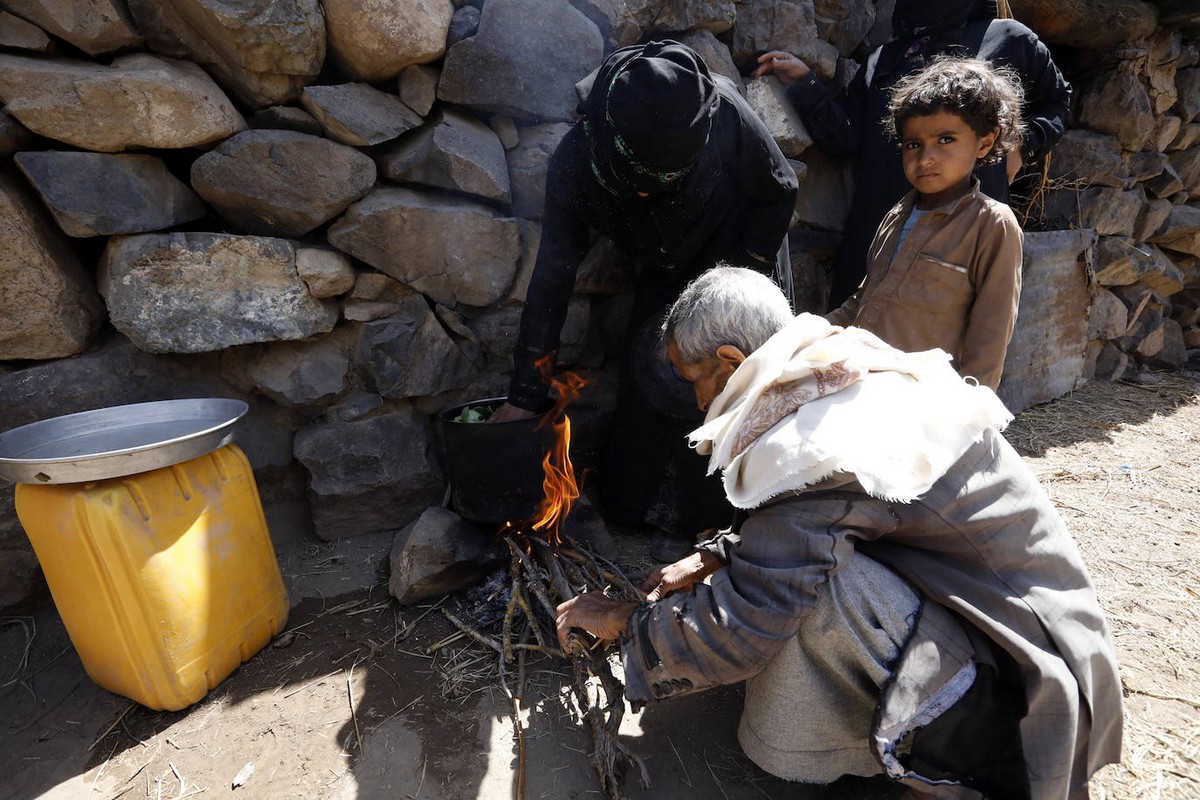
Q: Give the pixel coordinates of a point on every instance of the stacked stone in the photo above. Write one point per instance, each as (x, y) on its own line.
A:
(1129, 169)
(330, 208)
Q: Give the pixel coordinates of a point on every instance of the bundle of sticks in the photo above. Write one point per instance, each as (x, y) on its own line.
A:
(543, 575)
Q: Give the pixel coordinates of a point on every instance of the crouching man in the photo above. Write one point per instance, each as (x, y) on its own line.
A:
(898, 593)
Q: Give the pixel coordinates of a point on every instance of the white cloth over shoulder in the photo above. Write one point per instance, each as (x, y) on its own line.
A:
(818, 400)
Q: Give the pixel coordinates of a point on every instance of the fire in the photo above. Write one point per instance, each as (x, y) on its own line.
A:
(559, 488)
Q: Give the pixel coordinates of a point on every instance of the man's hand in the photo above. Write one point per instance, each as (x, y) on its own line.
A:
(784, 66)
(509, 413)
(680, 576)
(600, 616)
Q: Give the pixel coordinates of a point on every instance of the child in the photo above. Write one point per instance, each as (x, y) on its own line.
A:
(944, 268)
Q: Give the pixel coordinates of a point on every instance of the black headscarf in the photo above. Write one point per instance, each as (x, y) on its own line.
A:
(648, 116)
(927, 17)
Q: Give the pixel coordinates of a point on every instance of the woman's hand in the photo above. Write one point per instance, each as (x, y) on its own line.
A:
(509, 413)
(784, 66)
(680, 576)
(600, 616)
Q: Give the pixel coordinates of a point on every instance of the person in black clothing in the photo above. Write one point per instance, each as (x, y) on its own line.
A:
(921, 29)
(674, 167)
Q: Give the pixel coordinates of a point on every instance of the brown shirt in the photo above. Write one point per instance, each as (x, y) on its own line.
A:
(954, 283)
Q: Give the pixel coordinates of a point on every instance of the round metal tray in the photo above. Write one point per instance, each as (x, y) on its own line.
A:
(117, 441)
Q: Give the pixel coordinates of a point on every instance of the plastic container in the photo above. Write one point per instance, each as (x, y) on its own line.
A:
(494, 469)
(166, 580)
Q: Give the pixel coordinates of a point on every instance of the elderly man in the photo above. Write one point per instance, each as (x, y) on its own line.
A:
(899, 593)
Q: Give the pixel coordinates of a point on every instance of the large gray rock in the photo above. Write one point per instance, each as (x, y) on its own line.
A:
(372, 474)
(373, 40)
(1108, 211)
(138, 101)
(1118, 103)
(768, 97)
(454, 251)
(1047, 355)
(1089, 158)
(1107, 317)
(621, 22)
(199, 292)
(1186, 164)
(412, 353)
(844, 23)
(94, 26)
(263, 51)
(440, 553)
(524, 61)
(308, 374)
(527, 164)
(17, 34)
(824, 198)
(1181, 231)
(48, 305)
(418, 87)
(715, 54)
(1187, 85)
(780, 25)
(281, 183)
(357, 114)
(100, 194)
(715, 16)
(452, 151)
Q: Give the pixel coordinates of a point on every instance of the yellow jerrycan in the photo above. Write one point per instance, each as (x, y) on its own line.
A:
(166, 580)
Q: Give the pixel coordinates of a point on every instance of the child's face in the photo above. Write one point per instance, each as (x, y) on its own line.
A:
(939, 151)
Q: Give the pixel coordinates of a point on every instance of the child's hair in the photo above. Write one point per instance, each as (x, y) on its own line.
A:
(986, 97)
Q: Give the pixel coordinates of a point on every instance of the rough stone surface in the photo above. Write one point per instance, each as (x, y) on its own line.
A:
(18, 34)
(1046, 356)
(1186, 164)
(138, 101)
(1111, 363)
(1090, 158)
(263, 51)
(768, 97)
(98, 194)
(715, 16)
(281, 183)
(440, 553)
(358, 114)
(410, 353)
(527, 167)
(1189, 136)
(198, 292)
(1187, 85)
(303, 374)
(325, 271)
(375, 296)
(1151, 218)
(418, 87)
(1164, 184)
(844, 23)
(48, 305)
(1107, 317)
(763, 25)
(1181, 231)
(372, 474)
(286, 118)
(1166, 129)
(1118, 103)
(13, 135)
(524, 61)
(1163, 346)
(1108, 211)
(715, 55)
(463, 25)
(453, 251)
(373, 40)
(453, 151)
(824, 197)
(95, 27)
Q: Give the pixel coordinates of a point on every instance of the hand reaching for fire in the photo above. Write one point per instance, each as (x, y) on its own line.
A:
(680, 576)
(603, 617)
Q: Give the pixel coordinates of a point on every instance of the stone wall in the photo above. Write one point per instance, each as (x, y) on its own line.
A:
(330, 209)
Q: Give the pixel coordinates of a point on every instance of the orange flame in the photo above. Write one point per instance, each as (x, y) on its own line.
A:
(559, 488)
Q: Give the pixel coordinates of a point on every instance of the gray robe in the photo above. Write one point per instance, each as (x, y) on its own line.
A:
(984, 542)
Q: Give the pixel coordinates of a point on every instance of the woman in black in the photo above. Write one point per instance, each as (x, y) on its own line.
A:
(672, 165)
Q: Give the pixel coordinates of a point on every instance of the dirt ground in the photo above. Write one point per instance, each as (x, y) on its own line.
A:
(352, 703)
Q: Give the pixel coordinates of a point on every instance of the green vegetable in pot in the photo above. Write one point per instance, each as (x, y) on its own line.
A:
(475, 413)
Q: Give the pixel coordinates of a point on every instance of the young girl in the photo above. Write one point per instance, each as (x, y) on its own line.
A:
(944, 268)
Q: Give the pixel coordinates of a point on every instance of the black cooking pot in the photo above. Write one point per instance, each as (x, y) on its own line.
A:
(495, 469)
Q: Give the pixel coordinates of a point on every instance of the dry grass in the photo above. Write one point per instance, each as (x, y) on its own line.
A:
(1121, 463)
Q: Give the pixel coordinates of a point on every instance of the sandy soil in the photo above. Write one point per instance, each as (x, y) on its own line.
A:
(351, 703)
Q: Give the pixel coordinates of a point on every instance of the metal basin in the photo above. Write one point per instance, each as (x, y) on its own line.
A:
(117, 441)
